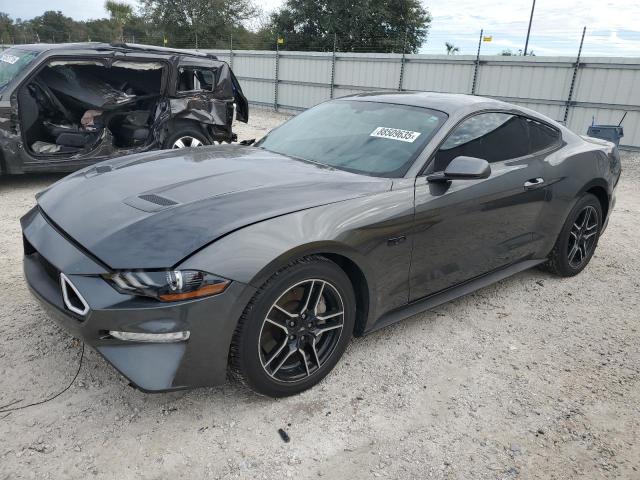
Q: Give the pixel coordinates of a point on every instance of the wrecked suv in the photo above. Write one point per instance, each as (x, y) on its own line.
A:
(65, 106)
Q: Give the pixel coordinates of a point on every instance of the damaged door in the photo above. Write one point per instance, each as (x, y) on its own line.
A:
(207, 92)
(79, 111)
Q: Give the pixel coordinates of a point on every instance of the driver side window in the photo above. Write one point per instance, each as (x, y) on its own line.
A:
(494, 137)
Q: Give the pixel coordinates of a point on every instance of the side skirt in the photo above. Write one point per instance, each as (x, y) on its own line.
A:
(451, 293)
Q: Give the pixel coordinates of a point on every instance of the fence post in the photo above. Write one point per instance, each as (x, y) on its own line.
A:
(333, 67)
(231, 51)
(475, 70)
(275, 89)
(573, 79)
(402, 62)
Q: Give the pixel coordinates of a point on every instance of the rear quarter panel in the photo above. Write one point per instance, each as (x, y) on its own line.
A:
(577, 167)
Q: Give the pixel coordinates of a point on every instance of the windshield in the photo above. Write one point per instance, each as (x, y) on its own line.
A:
(12, 62)
(378, 139)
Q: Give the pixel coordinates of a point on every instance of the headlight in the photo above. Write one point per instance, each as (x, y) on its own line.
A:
(168, 285)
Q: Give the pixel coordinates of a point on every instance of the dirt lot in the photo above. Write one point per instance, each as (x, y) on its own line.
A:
(534, 377)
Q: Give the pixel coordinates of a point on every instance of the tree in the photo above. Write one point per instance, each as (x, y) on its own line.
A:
(120, 13)
(53, 27)
(7, 28)
(451, 48)
(359, 25)
(187, 20)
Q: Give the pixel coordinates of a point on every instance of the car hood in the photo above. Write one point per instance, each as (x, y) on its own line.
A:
(153, 210)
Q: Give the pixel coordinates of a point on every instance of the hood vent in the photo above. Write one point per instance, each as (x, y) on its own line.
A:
(150, 202)
(158, 200)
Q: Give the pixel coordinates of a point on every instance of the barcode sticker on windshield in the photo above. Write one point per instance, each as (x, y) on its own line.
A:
(5, 57)
(395, 134)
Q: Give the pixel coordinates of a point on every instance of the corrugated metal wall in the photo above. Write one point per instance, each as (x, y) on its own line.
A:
(604, 87)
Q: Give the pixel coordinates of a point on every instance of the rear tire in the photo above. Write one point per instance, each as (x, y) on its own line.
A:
(186, 136)
(295, 329)
(578, 238)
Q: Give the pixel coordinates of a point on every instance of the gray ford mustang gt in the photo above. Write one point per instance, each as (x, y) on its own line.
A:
(262, 261)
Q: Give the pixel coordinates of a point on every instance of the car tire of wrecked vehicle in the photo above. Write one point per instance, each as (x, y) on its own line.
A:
(578, 239)
(185, 136)
(295, 329)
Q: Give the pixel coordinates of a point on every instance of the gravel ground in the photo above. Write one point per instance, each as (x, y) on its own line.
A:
(534, 377)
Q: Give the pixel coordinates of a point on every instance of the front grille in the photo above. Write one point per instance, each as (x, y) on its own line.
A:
(28, 248)
(51, 271)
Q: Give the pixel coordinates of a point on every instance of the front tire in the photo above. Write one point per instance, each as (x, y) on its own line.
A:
(578, 238)
(295, 329)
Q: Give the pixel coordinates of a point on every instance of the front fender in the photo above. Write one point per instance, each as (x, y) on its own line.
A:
(357, 230)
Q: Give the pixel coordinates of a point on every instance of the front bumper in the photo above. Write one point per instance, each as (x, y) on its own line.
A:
(199, 361)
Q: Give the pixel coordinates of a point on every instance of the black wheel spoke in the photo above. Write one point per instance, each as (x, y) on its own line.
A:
(587, 215)
(318, 298)
(282, 310)
(288, 354)
(304, 360)
(328, 326)
(315, 352)
(308, 295)
(573, 251)
(278, 352)
(278, 323)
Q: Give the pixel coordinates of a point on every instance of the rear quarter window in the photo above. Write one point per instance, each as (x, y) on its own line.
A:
(541, 136)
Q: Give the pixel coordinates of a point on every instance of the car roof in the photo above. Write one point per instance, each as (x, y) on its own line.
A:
(119, 47)
(450, 103)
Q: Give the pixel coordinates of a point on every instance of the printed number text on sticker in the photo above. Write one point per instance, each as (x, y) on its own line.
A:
(395, 134)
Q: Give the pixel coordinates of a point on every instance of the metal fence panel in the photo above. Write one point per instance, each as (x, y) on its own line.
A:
(605, 87)
(313, 68)
(369, 70)
(536, 78)
(439, 73)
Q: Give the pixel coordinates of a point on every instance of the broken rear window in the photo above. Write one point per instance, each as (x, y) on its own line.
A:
(190, 79)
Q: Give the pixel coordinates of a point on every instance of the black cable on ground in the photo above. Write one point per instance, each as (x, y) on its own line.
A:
(7, 410)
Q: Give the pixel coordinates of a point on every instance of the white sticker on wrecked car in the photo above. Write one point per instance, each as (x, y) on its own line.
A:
(5, 57)
(395, 134)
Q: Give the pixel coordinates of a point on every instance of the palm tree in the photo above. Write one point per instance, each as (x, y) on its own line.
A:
(451, 48)
(120, 14)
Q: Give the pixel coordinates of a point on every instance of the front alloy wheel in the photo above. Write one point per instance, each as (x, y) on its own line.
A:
(295, 329)
(301, 330)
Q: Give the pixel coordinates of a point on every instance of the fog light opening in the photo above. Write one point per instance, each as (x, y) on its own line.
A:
(170, 337)
(72, 298)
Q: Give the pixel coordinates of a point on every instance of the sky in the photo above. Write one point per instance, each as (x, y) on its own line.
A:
(613, 26)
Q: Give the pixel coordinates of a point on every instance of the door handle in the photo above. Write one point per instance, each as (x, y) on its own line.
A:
(534, 183)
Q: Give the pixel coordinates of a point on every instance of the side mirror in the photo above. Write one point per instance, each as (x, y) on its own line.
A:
(463, 168)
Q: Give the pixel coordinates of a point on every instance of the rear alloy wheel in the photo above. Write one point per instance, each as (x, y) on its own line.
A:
(187, 142)
(582, 237)
(578, 239)
(185, 136)
(295, 329)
